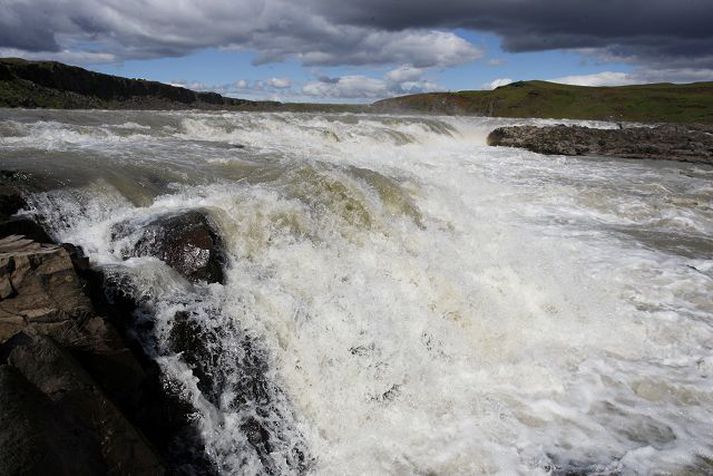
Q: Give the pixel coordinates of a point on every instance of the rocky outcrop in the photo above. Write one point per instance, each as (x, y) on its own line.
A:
(75, 383)
(669, 142)
(11, 202)
(48, 333)
(187, 242)
(40, 293)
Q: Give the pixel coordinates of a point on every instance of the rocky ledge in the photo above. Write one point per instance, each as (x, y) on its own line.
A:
(692, 143)
(79, 395)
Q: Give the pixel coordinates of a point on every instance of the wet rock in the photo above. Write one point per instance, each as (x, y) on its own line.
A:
(187, 242)
(243, 373)
(690, 143)
(10, 201)
(88, 369)
(25, 227)
(157, 406)
(35, 437)
(73, 393)
(193, 342)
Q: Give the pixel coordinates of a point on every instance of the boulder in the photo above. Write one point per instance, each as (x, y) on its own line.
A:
(689, 143)
(187, 242)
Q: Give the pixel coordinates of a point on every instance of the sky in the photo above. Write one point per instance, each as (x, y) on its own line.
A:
(364, 50)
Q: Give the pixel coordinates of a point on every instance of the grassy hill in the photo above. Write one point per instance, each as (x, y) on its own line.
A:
(646, 103)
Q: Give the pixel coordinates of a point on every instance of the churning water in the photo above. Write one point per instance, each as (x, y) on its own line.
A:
(401, 298)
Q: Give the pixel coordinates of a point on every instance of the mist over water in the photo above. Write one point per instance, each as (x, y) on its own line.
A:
(405, 299)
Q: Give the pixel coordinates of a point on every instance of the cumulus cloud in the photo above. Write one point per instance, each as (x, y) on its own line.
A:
(403, 80)
(672, 37)
(275, 29)
(279, 83)
(352, 87)
(404, 73)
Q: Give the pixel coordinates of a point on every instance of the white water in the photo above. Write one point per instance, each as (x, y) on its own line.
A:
(426, 304)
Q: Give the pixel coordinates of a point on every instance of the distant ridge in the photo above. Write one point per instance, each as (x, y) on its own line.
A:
(49, 84)
(682, 103)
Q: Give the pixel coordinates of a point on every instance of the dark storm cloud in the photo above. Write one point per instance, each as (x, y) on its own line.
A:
(653, 33)
(640, 30)
(16, 30)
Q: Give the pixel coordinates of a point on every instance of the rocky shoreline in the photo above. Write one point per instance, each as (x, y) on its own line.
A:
(684, 143)
(80, 395)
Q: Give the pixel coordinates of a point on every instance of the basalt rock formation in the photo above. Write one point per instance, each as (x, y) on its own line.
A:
(668, 142)
(47, 326)
(79, 394)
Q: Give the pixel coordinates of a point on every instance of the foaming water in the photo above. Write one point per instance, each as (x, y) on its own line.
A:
(401, 298)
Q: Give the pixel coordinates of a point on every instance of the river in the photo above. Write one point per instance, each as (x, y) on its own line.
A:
(406, 299)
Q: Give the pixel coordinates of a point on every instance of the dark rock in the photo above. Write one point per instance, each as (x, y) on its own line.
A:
(36, 438)
(89, 369)
(681, 143)
(157, 406)
(52, 84)
(25, 227)
(187, 242)
(193, 342)
(242, 372)
(39, 288)
(10, 201)
(52, 370)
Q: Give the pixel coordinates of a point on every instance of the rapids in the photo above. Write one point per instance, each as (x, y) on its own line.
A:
(405, 299)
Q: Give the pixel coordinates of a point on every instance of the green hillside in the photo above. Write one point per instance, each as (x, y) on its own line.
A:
(646, 103)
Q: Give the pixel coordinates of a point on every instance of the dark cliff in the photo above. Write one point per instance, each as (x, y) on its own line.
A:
(50, 84)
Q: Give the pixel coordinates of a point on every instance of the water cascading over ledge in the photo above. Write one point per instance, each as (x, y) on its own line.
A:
(397, 297)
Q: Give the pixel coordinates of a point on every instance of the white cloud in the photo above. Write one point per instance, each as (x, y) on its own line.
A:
(64, 56)
(605, 78)
(404, 73)
(638, 76)
(496, 83)
(279, 83)
(353, 86)
(403, 80)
